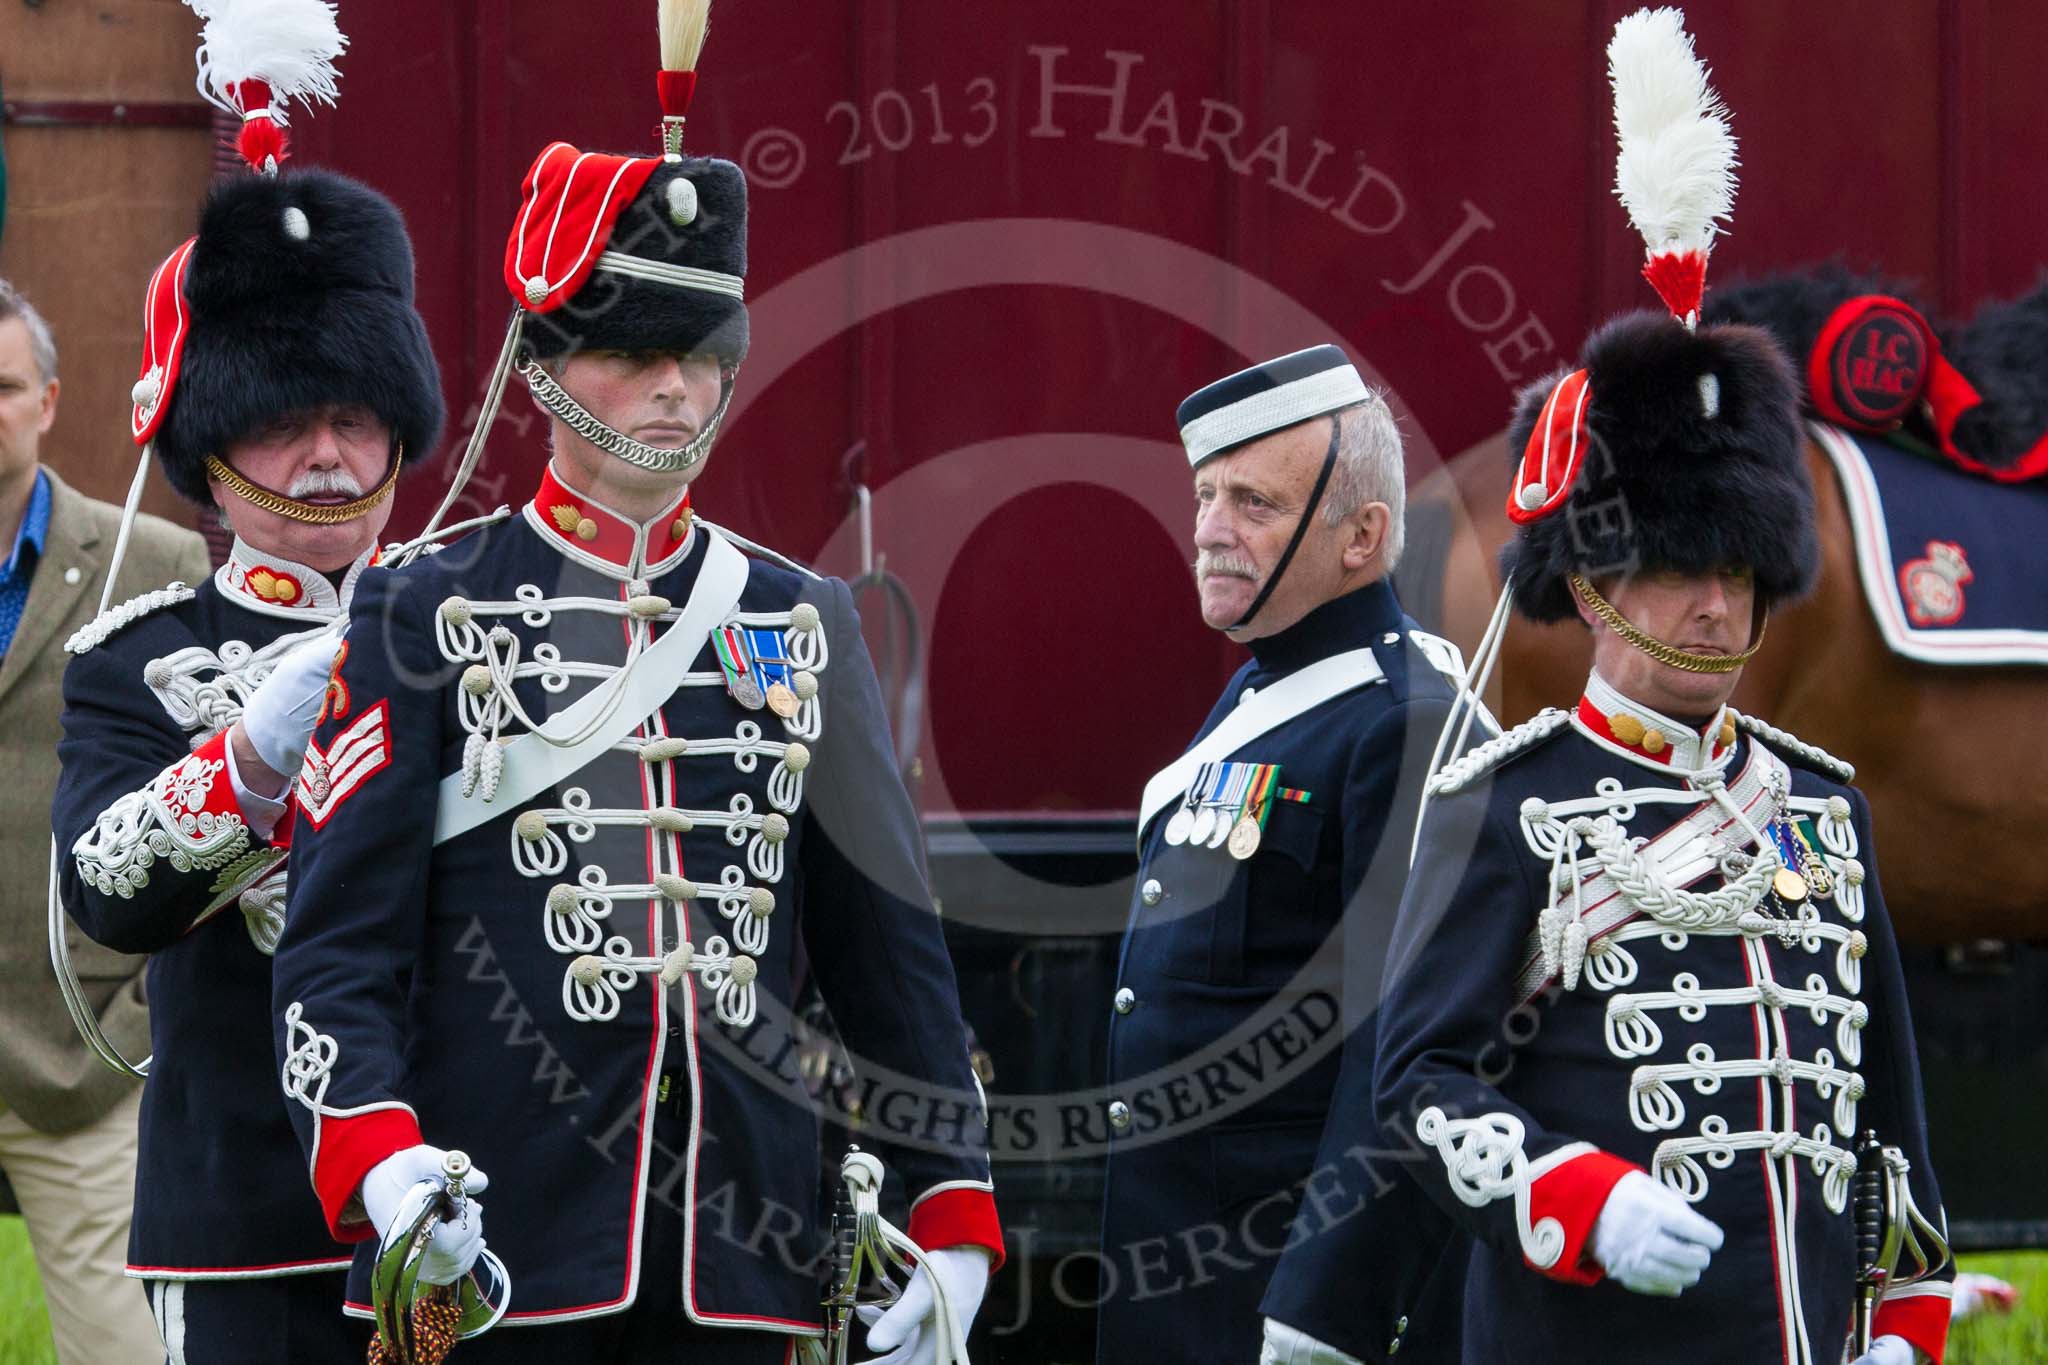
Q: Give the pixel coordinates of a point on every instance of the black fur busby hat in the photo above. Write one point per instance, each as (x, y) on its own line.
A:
(1692, 462)
(1673, 446)
(298, 293)
(689, 216)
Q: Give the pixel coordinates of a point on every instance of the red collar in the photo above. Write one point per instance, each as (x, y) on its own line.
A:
(1649, 735)
(585, 529)
(278, 586)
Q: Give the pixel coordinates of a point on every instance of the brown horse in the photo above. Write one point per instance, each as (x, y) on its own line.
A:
(1950, 758)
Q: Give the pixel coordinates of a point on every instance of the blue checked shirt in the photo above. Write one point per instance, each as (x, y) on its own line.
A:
(21, 560)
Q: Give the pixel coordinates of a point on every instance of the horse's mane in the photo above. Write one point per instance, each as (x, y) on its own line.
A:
(2002, 351)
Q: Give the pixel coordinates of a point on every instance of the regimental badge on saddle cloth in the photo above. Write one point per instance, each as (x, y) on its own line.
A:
(1933, 586)
(1226, 806)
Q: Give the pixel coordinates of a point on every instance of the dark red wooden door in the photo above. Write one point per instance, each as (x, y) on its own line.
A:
(993, 245)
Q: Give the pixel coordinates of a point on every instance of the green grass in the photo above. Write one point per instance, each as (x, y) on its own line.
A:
(1986, 1340)
(1991, 1340)
(24, 1325)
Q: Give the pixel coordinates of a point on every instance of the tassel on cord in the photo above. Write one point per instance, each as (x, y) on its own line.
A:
(683, 26)
(257, 56)
(1675, 173)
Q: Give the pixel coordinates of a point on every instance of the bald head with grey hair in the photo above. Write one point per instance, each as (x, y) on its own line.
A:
(42, 346)
(1370, 468)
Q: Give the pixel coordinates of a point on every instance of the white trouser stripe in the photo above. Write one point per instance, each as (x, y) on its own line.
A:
(174, 1321)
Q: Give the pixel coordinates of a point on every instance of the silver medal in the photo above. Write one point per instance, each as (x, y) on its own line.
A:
(746, 690)
(1205, 825)
(1179, 824)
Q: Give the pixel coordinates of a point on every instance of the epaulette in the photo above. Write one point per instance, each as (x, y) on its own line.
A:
(760, 551)
(1810, 754)
(1460, 772)
(97, 631)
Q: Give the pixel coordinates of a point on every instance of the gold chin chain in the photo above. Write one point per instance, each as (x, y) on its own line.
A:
(312, 513)
(1657, 649)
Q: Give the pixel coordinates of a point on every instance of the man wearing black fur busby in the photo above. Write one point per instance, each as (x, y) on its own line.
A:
(1251, 1200)
(1644, 1002)
(286, 378)
(659, 782)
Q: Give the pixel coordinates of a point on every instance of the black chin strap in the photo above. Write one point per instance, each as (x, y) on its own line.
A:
(1315, 499)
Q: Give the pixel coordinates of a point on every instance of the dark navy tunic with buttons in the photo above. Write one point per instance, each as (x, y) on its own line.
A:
(1735, 1062)
(156, 857)
(502, 990)
(1247, 1175)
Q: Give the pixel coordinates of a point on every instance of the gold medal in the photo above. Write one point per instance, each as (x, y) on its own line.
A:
(1789, 886)
(782, 700)
(1244, 838)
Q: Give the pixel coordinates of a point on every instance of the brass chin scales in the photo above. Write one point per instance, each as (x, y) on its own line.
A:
(1657, 649)
(311, 513)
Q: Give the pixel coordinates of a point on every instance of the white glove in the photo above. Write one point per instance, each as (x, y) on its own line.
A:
(1286, 1346)
(910, 1331)
(394, 1191)
(279, 717)
(1977, 1293)
(1887, 1351)
(1648, 1238)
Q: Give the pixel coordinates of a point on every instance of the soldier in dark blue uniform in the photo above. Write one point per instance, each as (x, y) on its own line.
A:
(1250, 1193)
(285, 377)
(602, 787)
(1645, 1002)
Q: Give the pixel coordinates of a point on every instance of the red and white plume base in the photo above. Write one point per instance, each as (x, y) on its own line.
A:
(257, 56)
(684, 24)
(1676, 170)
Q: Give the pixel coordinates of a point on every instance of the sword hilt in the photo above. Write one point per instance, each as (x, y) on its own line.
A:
(1870, 1214)
(842, 1292)
(455, 1169)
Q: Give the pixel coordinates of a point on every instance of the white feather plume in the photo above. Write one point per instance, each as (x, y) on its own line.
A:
(683, 26)
(288, 44)
(1676, 170)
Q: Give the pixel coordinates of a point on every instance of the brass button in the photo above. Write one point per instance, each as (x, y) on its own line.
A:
(586, 529)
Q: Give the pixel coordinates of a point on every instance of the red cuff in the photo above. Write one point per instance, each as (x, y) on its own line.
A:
(1572, 1194)
(958, 1217)
(1920, 1318)
(348, 1149)
(281, 832)
(187, 786)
